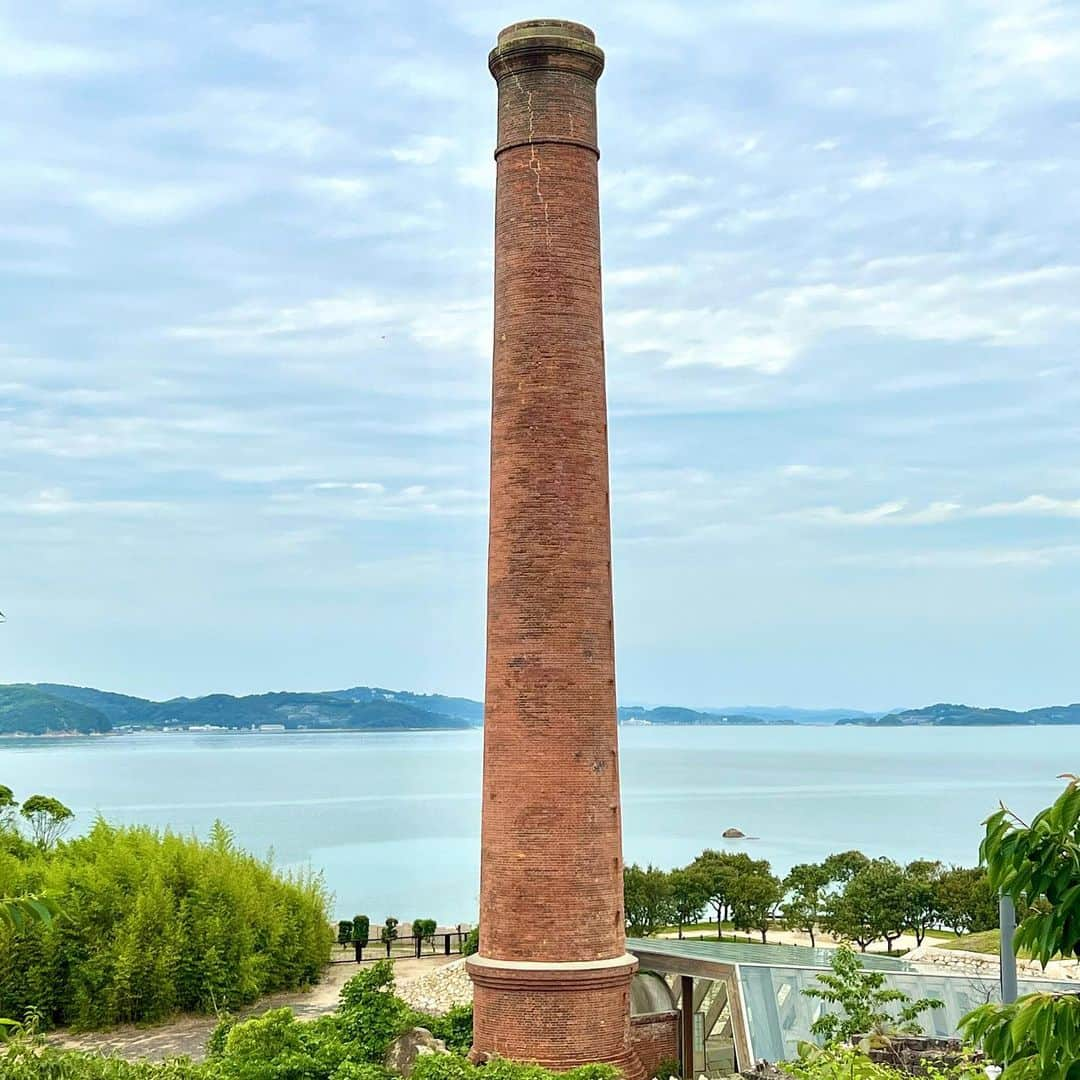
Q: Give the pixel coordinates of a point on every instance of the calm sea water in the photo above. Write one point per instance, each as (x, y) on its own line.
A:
(393, 820)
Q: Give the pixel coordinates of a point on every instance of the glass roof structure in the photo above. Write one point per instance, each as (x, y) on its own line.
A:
(746, 1003)
(748, 952)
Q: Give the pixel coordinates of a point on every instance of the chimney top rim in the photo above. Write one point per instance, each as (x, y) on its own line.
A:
(547, 28)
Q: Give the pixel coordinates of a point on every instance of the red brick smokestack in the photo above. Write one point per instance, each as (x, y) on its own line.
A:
(552, 978)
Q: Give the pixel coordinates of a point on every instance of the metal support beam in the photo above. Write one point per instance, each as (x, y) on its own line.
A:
(686, 1026)
(1007, 921)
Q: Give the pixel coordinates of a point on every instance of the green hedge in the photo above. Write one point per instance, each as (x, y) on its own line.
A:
(151, 923)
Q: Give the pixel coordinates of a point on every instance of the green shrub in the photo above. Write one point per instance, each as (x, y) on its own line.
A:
(361, 930)
(667, 1068)
(215, 1045)
(389, 933)
(425, 929)
(153, 923)
(355, 1070)
(27, 1060)
(849, 1063)
(471, 944)
(450, 1067)
(866, 1006)
(344, 931)
(455, 1028)
(277, 1046)
(370, 1016)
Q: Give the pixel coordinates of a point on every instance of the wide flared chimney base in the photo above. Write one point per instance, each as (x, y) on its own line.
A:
(558, 1015)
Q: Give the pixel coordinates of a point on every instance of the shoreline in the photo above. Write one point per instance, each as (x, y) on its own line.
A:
(25, 736)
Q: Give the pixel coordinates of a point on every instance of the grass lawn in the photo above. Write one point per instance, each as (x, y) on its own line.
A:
(696, 928)
(988, 941)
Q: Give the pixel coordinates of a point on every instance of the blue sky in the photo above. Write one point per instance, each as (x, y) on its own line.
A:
(244, 355)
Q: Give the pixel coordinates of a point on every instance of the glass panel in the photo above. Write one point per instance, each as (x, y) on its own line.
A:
(714, 1010)
(779, 1013)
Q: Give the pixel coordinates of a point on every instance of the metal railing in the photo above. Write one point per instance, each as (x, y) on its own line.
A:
(441, 943)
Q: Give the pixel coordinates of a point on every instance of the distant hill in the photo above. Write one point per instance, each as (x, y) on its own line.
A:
(55, 708)
(462, 708)
(121, 709)
(943, 715)
(52, 708)
(26, 710)
(671, 714)
(297, 711)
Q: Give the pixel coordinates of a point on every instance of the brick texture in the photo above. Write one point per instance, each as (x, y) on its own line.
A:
(551, 877)
(655, 1038)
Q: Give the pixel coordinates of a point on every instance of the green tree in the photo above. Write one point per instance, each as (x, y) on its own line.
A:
(344, 931)
(8, 806)
(965, 899)
(689, 895)
(754, 901)
(844, 865)
(721, 871)
(873, 904)
(647, 900)
(921, 883)
(48, 819)
(425, 929)
(388, 934)
(361, 935)
(1038, 865)
(861, 1004)
(804, 898)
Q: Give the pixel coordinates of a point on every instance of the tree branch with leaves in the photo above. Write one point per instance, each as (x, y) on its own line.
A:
(1038, 1036)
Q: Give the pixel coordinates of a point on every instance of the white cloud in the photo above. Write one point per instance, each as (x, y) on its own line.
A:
(25, 58)
(900, 512)
(153, 204)
(59, 502)
(422, 150)
(346, 189)
(1032, 505)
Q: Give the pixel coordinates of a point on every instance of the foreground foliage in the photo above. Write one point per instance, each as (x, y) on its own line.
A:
(1038, 865)
(349, 1045)
(862, 1005)
(150, 923)
(850, 1063)
(434, 1067)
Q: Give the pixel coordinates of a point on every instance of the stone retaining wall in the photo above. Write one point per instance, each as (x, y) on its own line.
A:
(972, 963)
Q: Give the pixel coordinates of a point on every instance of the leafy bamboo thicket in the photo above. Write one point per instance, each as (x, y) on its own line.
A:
(150, 923)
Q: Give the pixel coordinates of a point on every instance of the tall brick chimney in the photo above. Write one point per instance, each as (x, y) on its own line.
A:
(552, 978)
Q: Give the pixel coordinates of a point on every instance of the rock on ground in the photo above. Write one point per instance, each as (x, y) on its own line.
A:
(406, 1048)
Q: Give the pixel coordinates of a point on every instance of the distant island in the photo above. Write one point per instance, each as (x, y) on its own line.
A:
(967, 716)
(58, 709)
(672, 714)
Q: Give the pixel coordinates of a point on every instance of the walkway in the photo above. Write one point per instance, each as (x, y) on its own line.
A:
(187, 1035)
